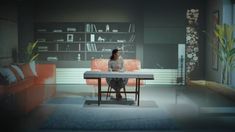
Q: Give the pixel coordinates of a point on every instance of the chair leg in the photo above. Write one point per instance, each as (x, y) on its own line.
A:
(108, 92)
(124, 88)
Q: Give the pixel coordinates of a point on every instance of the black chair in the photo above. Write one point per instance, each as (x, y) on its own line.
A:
(110, 88)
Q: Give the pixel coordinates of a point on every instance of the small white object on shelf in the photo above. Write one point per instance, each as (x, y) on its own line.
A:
(52, 58)
(70, 29)
(115, 30)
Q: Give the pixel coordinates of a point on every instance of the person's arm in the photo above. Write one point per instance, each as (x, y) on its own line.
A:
(109, 66)
(122, 68)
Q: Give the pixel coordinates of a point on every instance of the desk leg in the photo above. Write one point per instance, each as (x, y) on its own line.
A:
(138, 82)
(99, 91)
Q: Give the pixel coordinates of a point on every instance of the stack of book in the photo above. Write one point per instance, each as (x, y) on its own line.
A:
(42, 48)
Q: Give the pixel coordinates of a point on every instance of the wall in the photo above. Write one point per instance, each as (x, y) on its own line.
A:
(8, 32)
(164, 29)
(76, 11)
(158, 23)
(26, 26)
(225, 8)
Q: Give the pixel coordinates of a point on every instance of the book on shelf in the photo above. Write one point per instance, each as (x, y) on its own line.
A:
(95, 30)
(129, 29)
(87, 28)
(133, 28)
(91, 28)
(79, 47)
(41, 30)
(57, 30)
(92, 37)
(132, 38)
(88, 46)
(41, 40)
(59, 40)
(52, 58)
(95, 47)
(42, 48)
(92, 46)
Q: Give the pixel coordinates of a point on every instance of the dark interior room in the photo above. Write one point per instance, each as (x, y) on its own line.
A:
(117, 65)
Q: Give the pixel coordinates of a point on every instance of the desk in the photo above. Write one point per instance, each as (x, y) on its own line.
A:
(98, 75)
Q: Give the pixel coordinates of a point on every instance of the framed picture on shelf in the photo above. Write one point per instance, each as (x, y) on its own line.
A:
(215, 46)
(69, 37)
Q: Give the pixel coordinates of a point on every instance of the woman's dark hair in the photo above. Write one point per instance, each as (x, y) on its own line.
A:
(113, 52)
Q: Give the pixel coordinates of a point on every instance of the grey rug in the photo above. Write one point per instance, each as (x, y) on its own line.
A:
(80, 118)
(65, 100)
(121, 103)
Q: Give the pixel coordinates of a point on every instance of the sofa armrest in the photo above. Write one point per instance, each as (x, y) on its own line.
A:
(46, 74)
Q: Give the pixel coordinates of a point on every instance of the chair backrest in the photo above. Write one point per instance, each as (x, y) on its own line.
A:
(102, 65)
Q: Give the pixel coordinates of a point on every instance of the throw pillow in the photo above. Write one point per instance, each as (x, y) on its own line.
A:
(19, 71)
(26, 70)
(8, 75)
(18, 78)
(33, 68)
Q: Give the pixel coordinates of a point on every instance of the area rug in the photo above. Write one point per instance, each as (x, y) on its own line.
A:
(77, 118)
(121, 103)
(65, 100)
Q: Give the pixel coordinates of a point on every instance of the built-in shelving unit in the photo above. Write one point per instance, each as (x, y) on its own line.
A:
(80, 41)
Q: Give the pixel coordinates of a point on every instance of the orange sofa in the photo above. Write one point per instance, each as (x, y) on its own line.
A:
(102, 65)
(24, 95)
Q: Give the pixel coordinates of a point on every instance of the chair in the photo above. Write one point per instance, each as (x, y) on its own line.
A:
(109, 91)
(102, 65)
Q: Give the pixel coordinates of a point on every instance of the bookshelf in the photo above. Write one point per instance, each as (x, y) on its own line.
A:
(80, 41)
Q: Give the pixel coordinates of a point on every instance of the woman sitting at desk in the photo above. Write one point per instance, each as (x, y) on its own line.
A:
(115, 64)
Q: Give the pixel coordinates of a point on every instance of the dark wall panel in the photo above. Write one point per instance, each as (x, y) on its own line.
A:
(84, 10)
(161, 56)
(8, 32)
(167, 35)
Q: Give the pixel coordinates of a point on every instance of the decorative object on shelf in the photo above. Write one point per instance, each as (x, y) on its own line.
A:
(67, 47)
(60, 40)
(79, 57)
(121, 41)
(107, 28)
(31, 51)
(100, 30)
(57, 30)
(92, 38)
(79, 47)
(192, 37)
(57, 47)
(100, 39)
(42, 48)
(66, 40)
(115, 30)
(41, 40)
(87, 28)
(70, 29)
(69, 37)
(132, 38)
(52, 58)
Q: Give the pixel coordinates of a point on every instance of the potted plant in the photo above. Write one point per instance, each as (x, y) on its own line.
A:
(31, 52)
(225, 50)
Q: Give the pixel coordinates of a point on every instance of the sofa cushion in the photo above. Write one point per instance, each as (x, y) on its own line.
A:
(32, 66)
(26, 70)
(7, 75)
(19, 71)
(18, 78)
